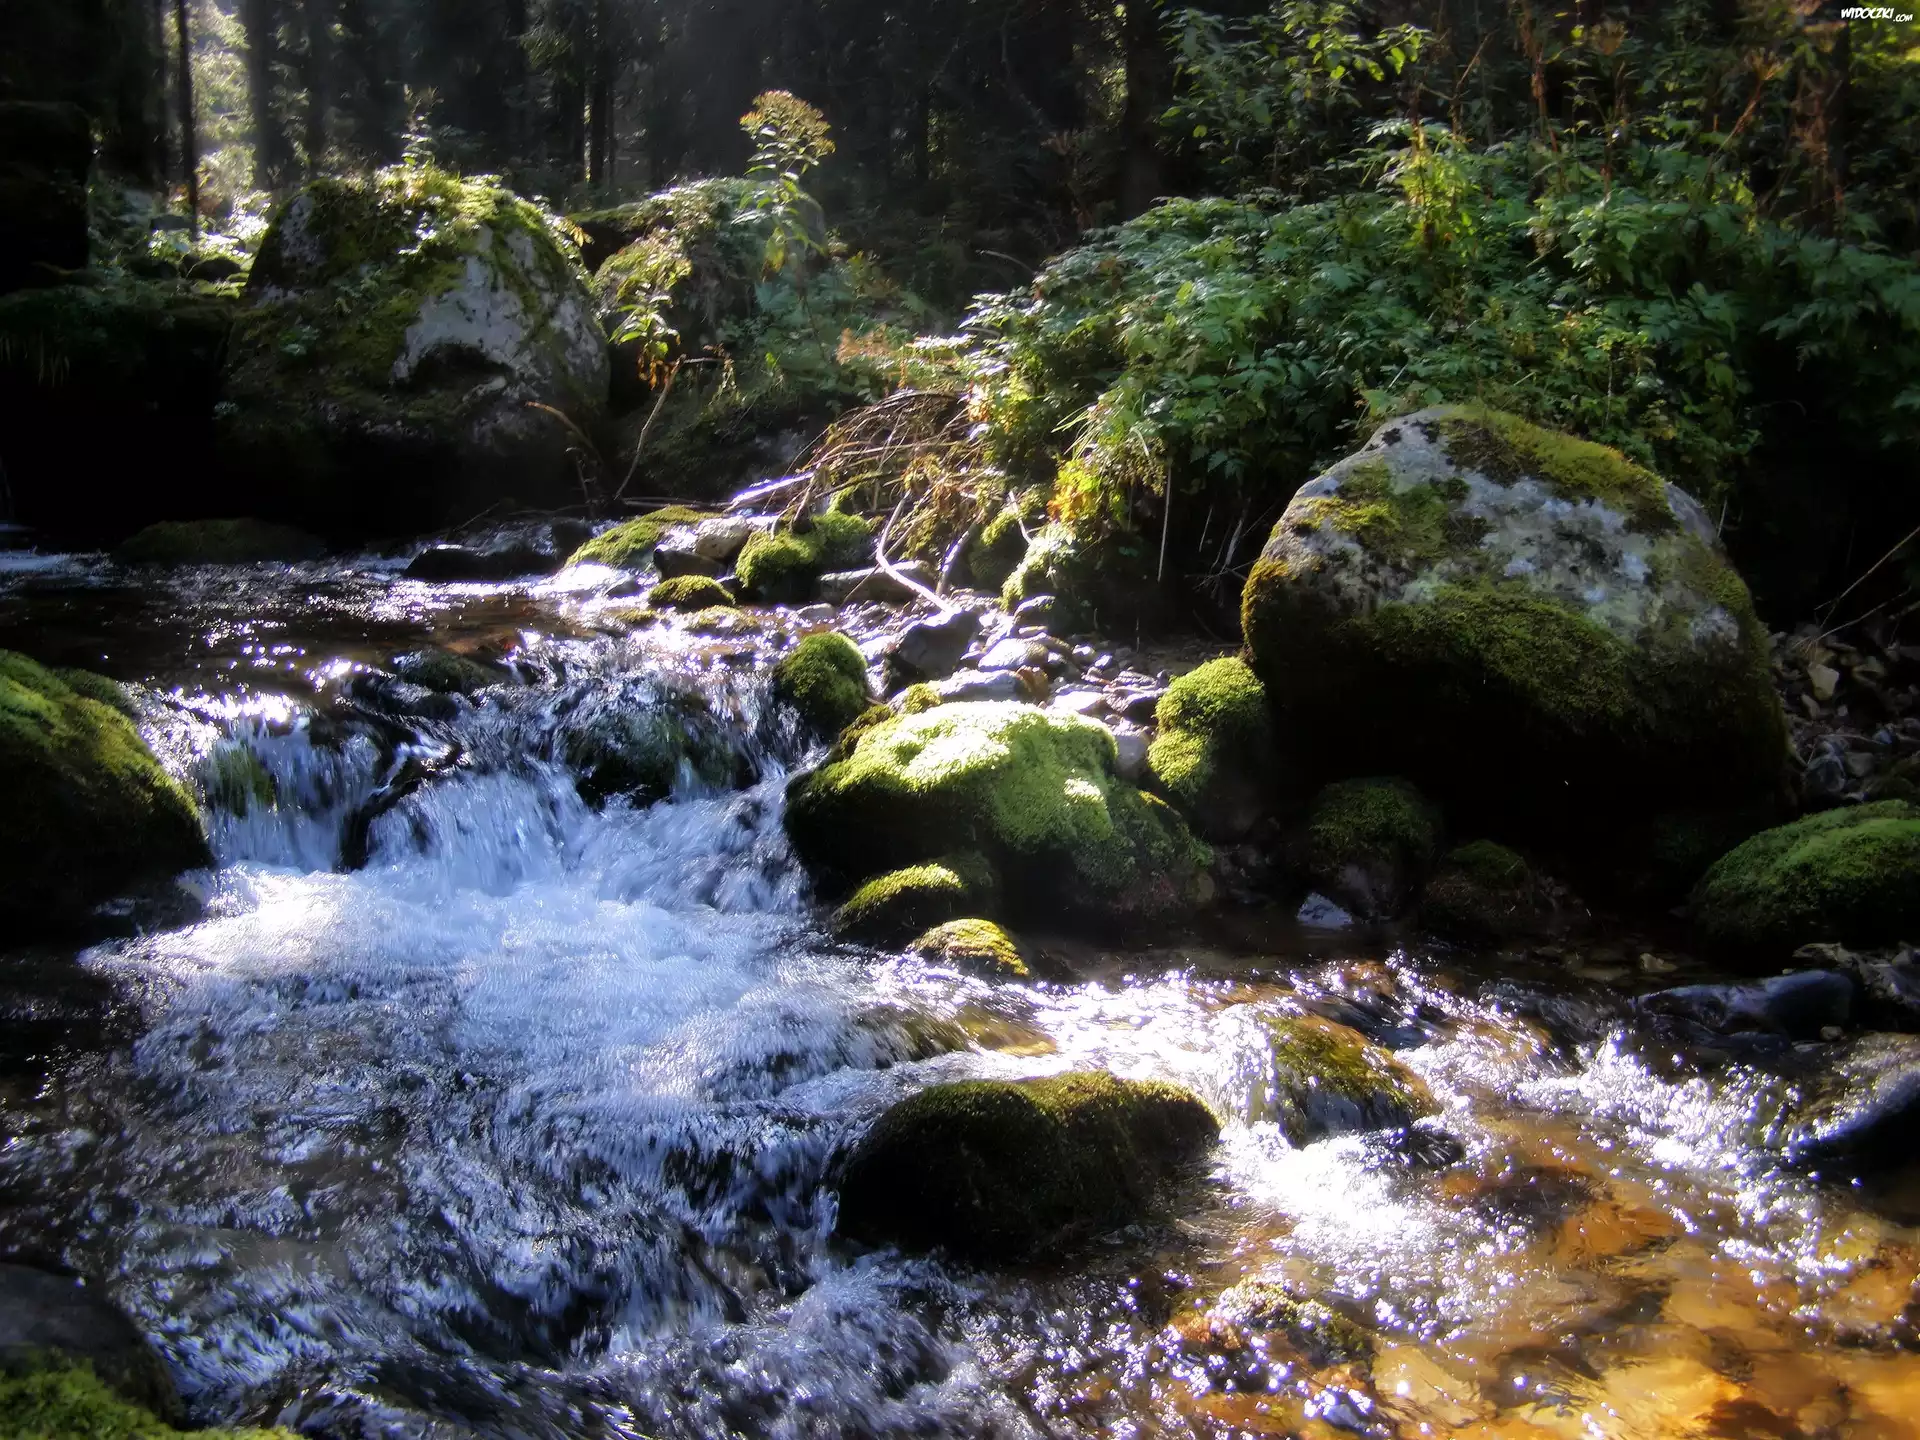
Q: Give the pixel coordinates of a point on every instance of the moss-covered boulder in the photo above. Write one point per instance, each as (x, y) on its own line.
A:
(824, 680)
(1264, 1318)
(1485, 893)
(997, 1169)
(782, 567)
(90, 812)
(217, 542)
(977, 946)
(629, 546)
(690, 592)
(996, 552)
(446, 672)
(1369, 843)
(1214, 755)
(55, 1401)
(1096, 584)
(1314, 1078)
(1036, 793)
(1848, 876)
(1540, 633)
(891, 908)
(643, 741)
(401, 333)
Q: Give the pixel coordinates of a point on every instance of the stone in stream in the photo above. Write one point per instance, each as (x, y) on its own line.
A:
(47, 1317)
(721, 538)
(505, 552)
(1369, 843)
(90, 812)
(1036, 793)
(217, 542)
(930, 649)
(871, 583)
(977, 946)
(1539, 633)
(893, 907)
(445, 672)
(400, 336)
(1886, 983)
(1485, 893)
(980, 685)
(1864, 1110)
(678, 553)
(1013, 654)
(1006, 1170)
(1314, 1078)
(1800, 1006)
(824, 681)
(1214, 756)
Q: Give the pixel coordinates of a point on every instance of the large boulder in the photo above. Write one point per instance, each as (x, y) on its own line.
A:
(401, 335)
(53, 1318)
(1000, 1169)
(1214, 755)
(1036, 793)
(46, 152)
(90, 812)
(1536, 631)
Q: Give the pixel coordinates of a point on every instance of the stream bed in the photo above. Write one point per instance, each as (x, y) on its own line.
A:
(450, 1105)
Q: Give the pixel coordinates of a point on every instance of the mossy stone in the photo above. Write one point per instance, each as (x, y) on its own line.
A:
(1484, 892)
(644, 746)
(1369, 843)
(998, 1169)
(1215, 752)
(90, 811)
(996, 552)
(1320, 1335)
(68, 1402)
(978, 946)
(902, 903)
(1526, 625)
(218, 542)
(1036, 793)
(824, 680)
(629, 546)
(1319, 1079)
(1847, 876)
(690, 592)
(1105, 583)
(446, 672)
(782, 567)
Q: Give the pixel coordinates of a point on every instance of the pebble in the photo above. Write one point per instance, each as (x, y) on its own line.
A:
(1014, 653)
(815, 615)
(1132, 746)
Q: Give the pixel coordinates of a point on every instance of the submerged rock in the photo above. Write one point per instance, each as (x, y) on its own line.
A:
(978, 946)
(1541, 634)
(1315, 1078)
(1286, 1326)
(638, 741)
(1485, 893)
(824, 681)
(1847, 876)
(1800, 1006)
(901, 903)
(1864, 1112)
(997, 1169)
(446, 672)
(1214, 755)
(402, 333)
(53, 1318)
(1035, 793)
(690, 592)
(90, 811)
(1369, 843)
(217, 542)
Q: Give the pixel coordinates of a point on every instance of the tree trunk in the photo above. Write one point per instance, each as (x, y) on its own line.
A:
(316, 74)
(600, 137)
(1149, 91)
(262, 22)
(189, 141)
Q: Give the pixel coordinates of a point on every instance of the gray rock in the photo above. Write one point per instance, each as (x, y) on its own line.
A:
(722, 539)
(1887, 985)
(45, 1315)
(1800, 1005)
(678, 553)
(873, 583)
(814, 615)
(1014, 654)
(507, 552)
(1079, 702)
(1865, 1110)
(1132, 761)
(1139, 706)
(1825, 780)
(980, 685)
(1322, 914)
(929, 649)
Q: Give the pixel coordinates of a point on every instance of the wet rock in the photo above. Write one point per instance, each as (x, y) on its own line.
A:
(634, 738)
(977, 946)
(1529, 586)
(509, 552)
(784, 567)
(911, 901)
(1000, 685)
(1214, 755)
(1799, 1006)
(721, 539)
(876, 585)
(1131, 749)
(824, 681)
(1013, 654)
(1287, 1325)
(1886, 983)
(1864, 1113)
(998, 1170)
(446, 672)
(1138, 706)
(1824, 781)
(46, 1316)
(1486, 893)
(1314, 1078)
(218, 542)
(677, 553)
(930, 649)
(1036, 793)
(814, 615)
(92, 813)
(1369, 843)
(1323, 914)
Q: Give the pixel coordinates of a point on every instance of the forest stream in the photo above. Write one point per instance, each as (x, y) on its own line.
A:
(448, 1105)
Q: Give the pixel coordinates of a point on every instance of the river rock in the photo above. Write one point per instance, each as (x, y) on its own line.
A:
(45, 1316)
(1314, 1078)
(1864, 1112)
(721, 538)
(1369, 843)
(505, 552)
(1886, 983)
(1214, 754)
(677, 555)
(1469, 585)
(1000, 685)
(1485, 893)
(1131, 749)
(1799, 1006)
(400, 334)
(930, 649)
(1036, 793)
(823, 681)
(871, 583)
(635, 738)
(998, 1169)
(46, 154)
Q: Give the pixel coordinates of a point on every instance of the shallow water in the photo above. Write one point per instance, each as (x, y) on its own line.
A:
(458, 1107)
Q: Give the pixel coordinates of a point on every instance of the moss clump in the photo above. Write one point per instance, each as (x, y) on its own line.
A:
(903, 903)
(1213, 757)
(1002, 542)
(918, 699)
(62, 1402)
(644, 748)
(1323, 1336)
(824, 680)
(446, 672)
(782, 568)
(629, 546)
(89, 810)
(690, 592)
(233, 779)
(979, 946)
(110, 693)
(1506, 449)
(999, 1169)
(1409, 526)
(1483, 892)
(1035, 792)
(1322, 1079)
(218, 542)
(1847, 876)
(1104, 584)
(1369, 842)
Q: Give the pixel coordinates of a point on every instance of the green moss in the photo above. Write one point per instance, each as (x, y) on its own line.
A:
(903, 903)
(782, 567)
(445, 672)
(824, 679)
(999, 1169)
(1095, 584)
(89, 810)
(642, 751)
(1002, 543)
(217, 542)
(61, 1402)
(1035, 792)
(1367, 823)
(849, 738)
(110, 693)
(1328, 1079)
(690, 592)
(1506, 448)
(1323, 1336)
(1848, 876)
(1484, 892)
(630, 546)
(1412, 527)
(233, 779)
(979, 946)
(1213, 756)
(918, 699)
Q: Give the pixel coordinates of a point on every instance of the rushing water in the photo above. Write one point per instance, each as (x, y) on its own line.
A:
(455, 1106)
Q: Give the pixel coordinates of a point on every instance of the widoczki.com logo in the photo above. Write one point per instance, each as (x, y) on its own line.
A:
(1874, 12)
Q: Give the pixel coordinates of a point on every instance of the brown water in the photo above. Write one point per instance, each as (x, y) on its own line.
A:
(523, 1127)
